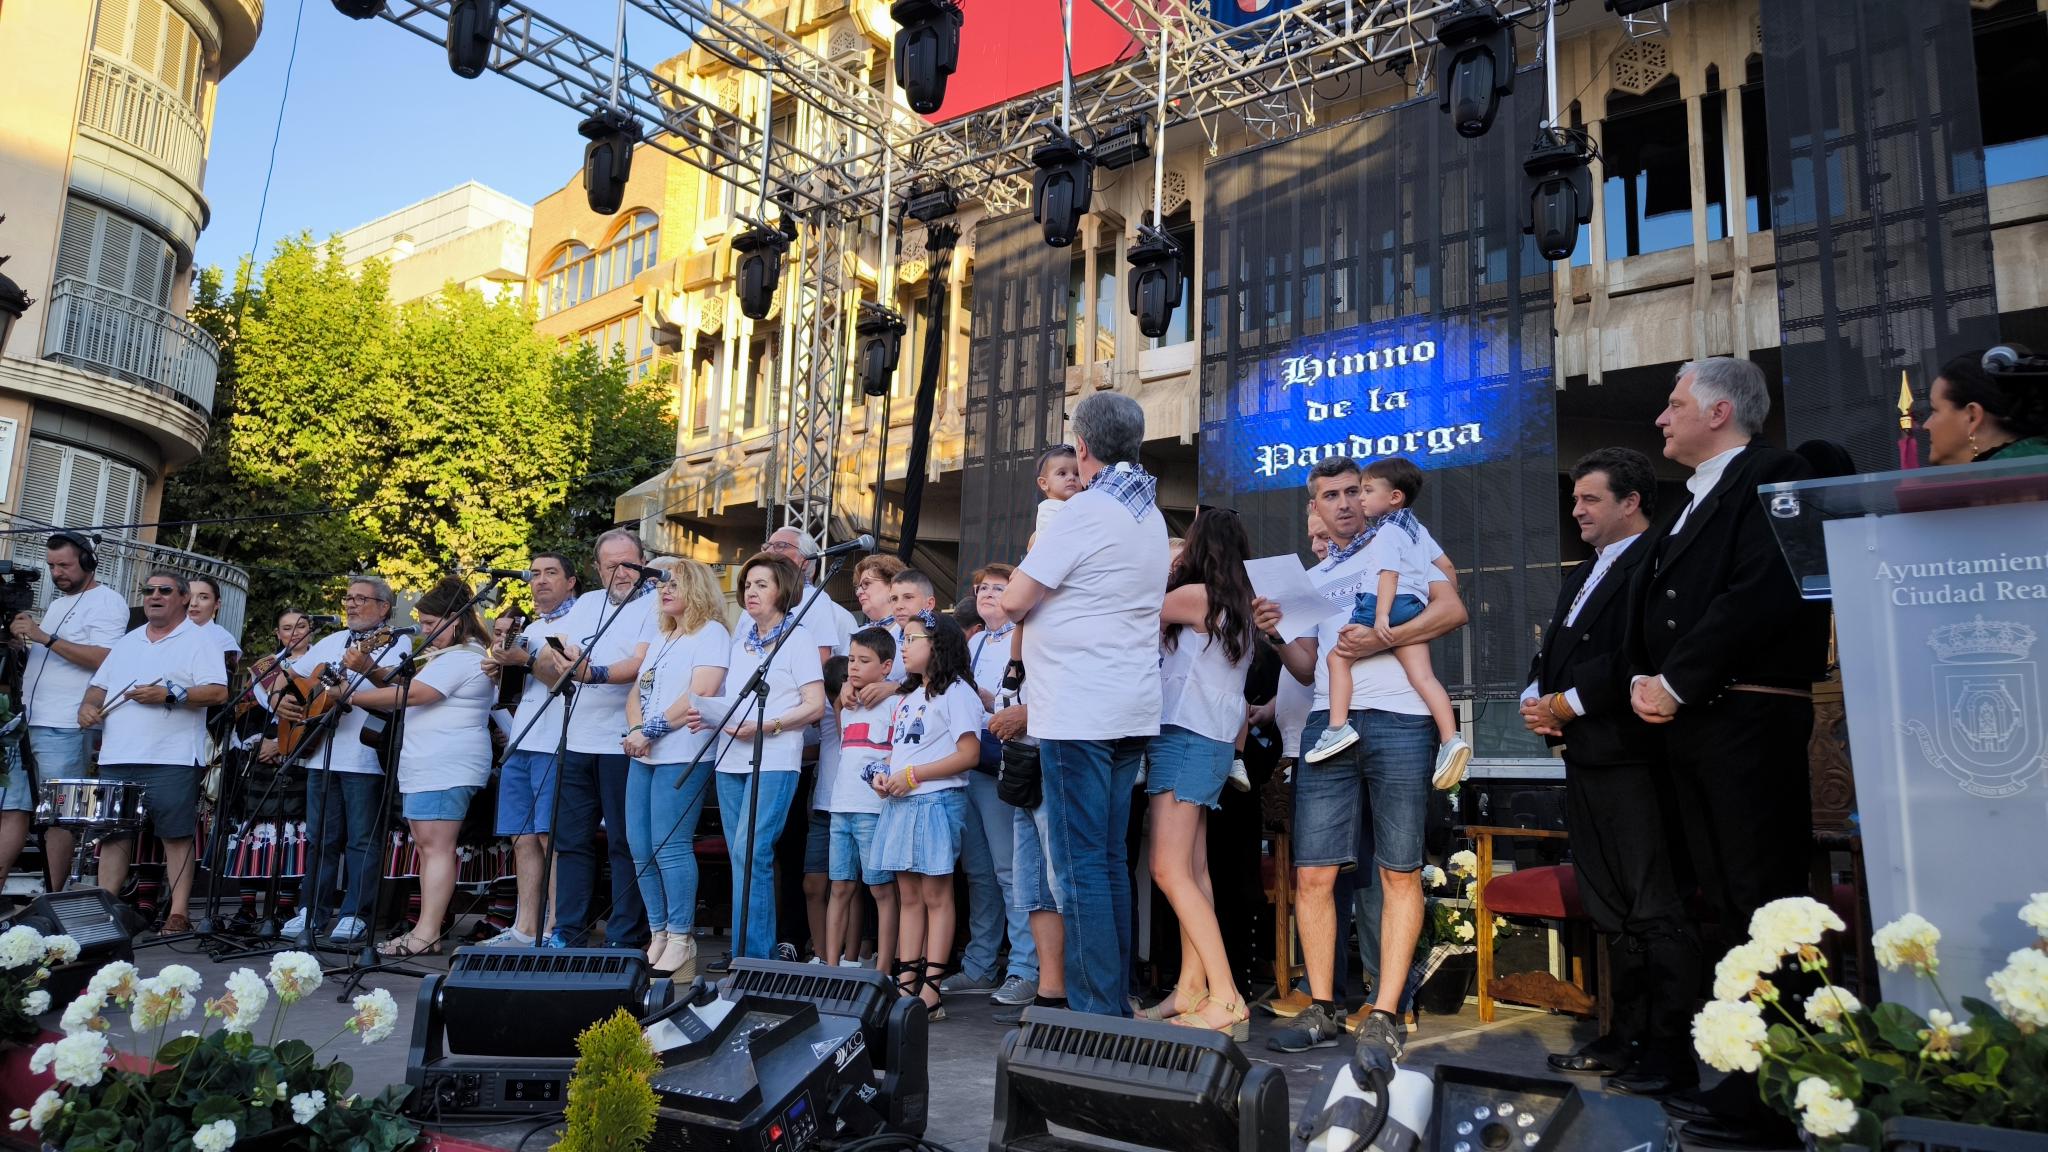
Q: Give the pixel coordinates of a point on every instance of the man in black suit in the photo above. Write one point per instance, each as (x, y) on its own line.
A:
(1723, 654)
(1615, 796)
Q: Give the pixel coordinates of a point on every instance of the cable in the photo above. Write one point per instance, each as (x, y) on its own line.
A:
(276, 134)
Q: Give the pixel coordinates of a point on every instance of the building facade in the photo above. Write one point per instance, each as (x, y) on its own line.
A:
(105, 387)
(472, 237)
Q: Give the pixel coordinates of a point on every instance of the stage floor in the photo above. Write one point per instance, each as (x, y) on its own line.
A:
(962, 1100)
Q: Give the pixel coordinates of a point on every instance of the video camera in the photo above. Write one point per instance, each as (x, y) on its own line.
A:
(18, 589)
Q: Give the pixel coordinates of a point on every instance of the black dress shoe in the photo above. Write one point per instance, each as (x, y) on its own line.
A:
(1772, 1133)
(1639, 1080)
(1686, 1106)
(1586, 1061)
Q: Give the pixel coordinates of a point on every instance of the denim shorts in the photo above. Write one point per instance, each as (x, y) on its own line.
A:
(170, 794)
(526, 793)
(1031, 871)
(818, 844)
(16, 795)
(62, 753)
(1392, 761)
(1366, 610)
(439, 804)
(853, 841)
(1191, 766)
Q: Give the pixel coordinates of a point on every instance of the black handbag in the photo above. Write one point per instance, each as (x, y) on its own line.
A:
(1018, 784)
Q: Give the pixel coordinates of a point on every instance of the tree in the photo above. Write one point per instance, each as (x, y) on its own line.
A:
(625, 431)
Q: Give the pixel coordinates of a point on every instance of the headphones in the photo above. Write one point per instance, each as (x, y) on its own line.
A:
(87, 559)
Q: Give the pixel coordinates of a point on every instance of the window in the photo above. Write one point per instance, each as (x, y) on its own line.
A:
(1077, 307)
(65, 486)
(576, 274)
(152, 37)
(703, 378)
(917, 326)
(1648, 172)
(628, 336)
(1108, 271)
(1180, 329)
(2012, 71)
(759, 404)
(110, 250)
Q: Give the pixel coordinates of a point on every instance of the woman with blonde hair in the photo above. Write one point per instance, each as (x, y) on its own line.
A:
(688, 648)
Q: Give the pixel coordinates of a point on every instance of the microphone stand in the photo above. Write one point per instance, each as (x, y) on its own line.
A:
(368, 960)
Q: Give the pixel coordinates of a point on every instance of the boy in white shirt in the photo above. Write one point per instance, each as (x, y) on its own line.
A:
(863, 754)
(1401, 551)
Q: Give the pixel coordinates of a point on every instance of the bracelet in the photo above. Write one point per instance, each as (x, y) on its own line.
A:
(910, 778)
(775, 726)
(1559, 709)
(656, 727)
(599, 673)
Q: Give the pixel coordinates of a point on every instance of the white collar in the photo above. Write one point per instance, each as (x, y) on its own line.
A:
(1612, 552)
(184, 622)
(1709, 472)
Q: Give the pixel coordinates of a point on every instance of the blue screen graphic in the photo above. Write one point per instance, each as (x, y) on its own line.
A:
(1444, 396)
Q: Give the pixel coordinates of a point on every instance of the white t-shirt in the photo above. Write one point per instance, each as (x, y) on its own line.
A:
(221, 636)
(137, 733)
(665, 676)
(1412, 560)
(600, 713)
(1091, 646)
(827, 621)
(53, 686)
(1377, 682)
(863, 754)
(795, 666)
(448, 743)
(928, 730)
(991, 654)
(546, 733)
(349, 755)
(1200, 689)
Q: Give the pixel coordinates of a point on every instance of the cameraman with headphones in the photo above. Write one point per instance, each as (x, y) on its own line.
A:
(64, 649)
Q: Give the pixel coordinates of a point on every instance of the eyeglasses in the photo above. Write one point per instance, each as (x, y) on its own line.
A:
(980, 588)
(160, 590)
(909, 636)
(354, 599)
(781, 546)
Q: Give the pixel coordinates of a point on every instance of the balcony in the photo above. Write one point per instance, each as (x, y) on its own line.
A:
(129, 107)
(134, 560)
(130, 339)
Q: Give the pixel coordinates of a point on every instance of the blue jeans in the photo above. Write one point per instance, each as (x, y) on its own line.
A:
(345, 823)
(754, 854)
(591, 782)
(988, 855)
(1389, 768)
(1087, 807)
(661, 826)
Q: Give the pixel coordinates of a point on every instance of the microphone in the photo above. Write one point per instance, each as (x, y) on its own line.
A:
(325, 621)
(861, 543)
(648, 571)
(408, 630)
(524, 574)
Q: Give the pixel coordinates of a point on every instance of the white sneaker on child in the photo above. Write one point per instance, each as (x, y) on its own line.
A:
(1331, 742)
(1239, 778)
(1451, 758)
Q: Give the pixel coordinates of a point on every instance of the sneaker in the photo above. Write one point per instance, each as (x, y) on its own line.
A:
(851, 964)
(1012, 1017)
(1316, 1027)
(1331, 742)
(1144, 770)
(1239, 778)
(786, 952)
(962, 983)
(350, 930)
(1451, 757)
(294, 927)
(555, 940)
(1380, 1043)
(509, 938)
(718, 966)
(1015, 990)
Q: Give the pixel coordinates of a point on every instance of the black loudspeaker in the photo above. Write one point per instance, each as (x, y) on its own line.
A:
(894, 1027)
(104, 927)
(1512, 804)
(1154, 1085)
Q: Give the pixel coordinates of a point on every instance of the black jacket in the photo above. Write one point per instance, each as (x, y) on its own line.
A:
(1588, 656)
(1716, 604)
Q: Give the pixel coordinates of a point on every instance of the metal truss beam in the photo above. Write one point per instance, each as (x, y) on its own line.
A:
(814, 350)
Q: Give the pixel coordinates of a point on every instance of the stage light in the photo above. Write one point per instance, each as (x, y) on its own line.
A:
(359, 9)
(471, 25)
(880, 331)
(608, 158)
(1560, 191)
(1475, 64)
(931, 200)
(761, 248)
(1125, 144)
(927, 49)
(1155, 280)
(1062, 188)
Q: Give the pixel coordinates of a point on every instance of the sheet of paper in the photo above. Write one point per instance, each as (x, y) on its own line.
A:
(1285, 582)
(712, 708)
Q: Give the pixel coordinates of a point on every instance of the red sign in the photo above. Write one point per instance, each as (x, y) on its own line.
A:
(1010, 47)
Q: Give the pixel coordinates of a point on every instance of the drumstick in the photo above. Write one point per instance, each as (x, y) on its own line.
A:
(123, 697)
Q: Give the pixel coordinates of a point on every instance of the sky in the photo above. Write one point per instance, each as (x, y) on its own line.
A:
(376, 121)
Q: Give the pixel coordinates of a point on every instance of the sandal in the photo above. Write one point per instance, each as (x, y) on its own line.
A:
(1165, 1010)
(1238, 1027)
(401, 947)
(922, 976)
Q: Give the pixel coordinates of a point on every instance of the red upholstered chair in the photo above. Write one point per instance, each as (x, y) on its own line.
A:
(1546, 893)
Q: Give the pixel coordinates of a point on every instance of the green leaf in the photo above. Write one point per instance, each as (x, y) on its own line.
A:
(176, 1051)
(1898, 1025)
(339, 1077)
(1995, 1058)
(296, 1056)
(217, 1107)
(1882, 1071)
(1869, 1130)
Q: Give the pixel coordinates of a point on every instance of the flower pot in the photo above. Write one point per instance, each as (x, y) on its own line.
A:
(1915, 1134)
(1443, 994)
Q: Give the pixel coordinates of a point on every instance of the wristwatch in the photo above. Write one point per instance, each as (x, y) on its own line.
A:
(174, 697)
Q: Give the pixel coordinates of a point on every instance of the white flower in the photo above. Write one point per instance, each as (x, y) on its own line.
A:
(1743, 969)
(376, 1015)
(180, 977)
(1464, 931)
(1729, 1035)
(20, 946)
(1464, 863)
(1793, 925)
(1823, 1112)
(1432, 876)
(307, 1105)
(39, 1113)
(35, 1003)
(2035, 913)
(158, 1003)
(1908, 942)
(218, 1136)
(77, 1060)
(83, 1014)
(295, 975)
(1938, 1039)
(242, 1004)
(283, 1090)
(2020, 989)
(116, 981)
(1826, 1007)
(59, 949)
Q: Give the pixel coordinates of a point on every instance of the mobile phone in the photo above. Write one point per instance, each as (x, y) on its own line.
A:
(555, 642)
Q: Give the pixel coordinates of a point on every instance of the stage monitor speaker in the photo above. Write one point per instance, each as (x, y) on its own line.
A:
(1475, 1109)
(1154, 1085)
(894, 1027)
(103, 925)
(770, 1075)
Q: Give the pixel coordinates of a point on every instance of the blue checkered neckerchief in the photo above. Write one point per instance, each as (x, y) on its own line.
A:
(1133, 487)
(561, 609)
(757, 643)
(1340, 554)
(1404, 520)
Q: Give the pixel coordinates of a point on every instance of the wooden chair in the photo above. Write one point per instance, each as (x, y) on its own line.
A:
(1550, 892)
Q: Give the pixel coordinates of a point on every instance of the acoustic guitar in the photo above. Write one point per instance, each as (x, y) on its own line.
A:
(319, 691)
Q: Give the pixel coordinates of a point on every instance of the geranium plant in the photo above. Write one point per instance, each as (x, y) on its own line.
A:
(1840, 1069)
(26, 957)
(1450, 920)
(208, 1089)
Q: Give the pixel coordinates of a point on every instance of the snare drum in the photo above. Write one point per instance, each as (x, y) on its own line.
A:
(103, 805)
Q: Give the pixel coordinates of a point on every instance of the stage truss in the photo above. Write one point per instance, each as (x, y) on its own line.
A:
(1259, 76)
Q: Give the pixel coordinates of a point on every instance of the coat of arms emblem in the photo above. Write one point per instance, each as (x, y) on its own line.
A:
(1987, 730)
